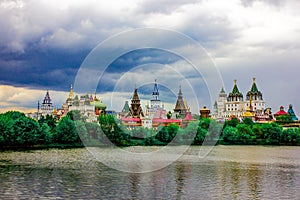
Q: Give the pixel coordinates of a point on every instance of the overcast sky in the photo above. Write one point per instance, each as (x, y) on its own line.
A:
(43, 44)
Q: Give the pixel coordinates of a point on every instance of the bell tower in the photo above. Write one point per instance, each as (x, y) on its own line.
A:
(136, 109)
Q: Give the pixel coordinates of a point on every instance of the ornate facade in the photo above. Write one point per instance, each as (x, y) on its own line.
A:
(181, 106)
(47, 107)
(135, 108)
(235, 105)
(86, 104)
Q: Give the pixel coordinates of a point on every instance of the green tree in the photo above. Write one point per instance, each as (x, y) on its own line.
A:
(7, 136)
(172, 130)
(230, 134)
(257, 130)
(200, 136)
(94, 130)
(245, 133)
(14, 115)
(82, 131)
(204, 123)
(65, 131)
(163, 135)
(149, 138)
(233, 122)
(292, 135)
(248, 121)
(284, 118)
(186, 135)
(214, 130)
(49, 120)
(271, 133)
(26, 131)
(46, 135)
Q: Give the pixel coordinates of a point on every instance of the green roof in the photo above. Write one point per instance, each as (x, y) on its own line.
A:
(126, 107)
(254, 87)
(222, 90)
(235, 89)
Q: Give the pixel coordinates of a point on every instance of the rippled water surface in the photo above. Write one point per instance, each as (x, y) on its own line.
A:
(228, 172)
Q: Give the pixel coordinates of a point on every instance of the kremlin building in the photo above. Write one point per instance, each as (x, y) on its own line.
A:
(227, 106)
(234, 104)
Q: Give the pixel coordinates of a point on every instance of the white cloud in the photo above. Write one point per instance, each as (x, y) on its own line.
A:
(25, 99)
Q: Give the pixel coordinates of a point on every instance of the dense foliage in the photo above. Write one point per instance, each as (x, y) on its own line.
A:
(17, 130)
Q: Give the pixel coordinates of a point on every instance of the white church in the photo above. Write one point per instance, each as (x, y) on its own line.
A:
(234, 103)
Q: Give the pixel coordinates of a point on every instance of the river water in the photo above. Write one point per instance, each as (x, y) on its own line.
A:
(227, 172)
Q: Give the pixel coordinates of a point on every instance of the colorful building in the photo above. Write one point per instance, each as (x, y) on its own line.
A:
(134, 117)
(235, 105)
(181, 107)
(86, 104)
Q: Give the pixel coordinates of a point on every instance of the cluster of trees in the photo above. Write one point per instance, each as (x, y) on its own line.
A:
(248, 132)
(17, 130)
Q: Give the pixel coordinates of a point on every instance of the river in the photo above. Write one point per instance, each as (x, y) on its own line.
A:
(227, 172)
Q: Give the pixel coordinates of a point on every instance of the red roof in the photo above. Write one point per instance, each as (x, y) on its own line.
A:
(281, 111)
(188, 116)
(129, 119)
(157, 120)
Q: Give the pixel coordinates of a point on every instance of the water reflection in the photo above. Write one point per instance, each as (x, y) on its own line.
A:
(227, 173)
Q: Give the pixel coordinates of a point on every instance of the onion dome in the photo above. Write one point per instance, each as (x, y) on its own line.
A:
(99, 104)
(280, 112)
(248, 113)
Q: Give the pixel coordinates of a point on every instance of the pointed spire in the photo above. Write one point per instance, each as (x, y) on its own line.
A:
(180, 106)
(126, 108)
(292, 113)
(179, 92)
(47, 99)
(254, 87)
(95, 96)
(235, 89)
(155, 92)
(38, 107)
(135, 109)
(135, 95)
(222, 90)
(71, 94)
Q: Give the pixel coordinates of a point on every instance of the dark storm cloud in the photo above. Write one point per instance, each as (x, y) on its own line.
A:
(51, 69)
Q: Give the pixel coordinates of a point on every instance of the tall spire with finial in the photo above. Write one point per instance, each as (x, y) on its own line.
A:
(180, 105)
(155, 92)
(155, 102)
(136, 109)
(71, 94)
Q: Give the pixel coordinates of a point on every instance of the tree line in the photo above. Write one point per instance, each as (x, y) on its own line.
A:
(17, 130)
